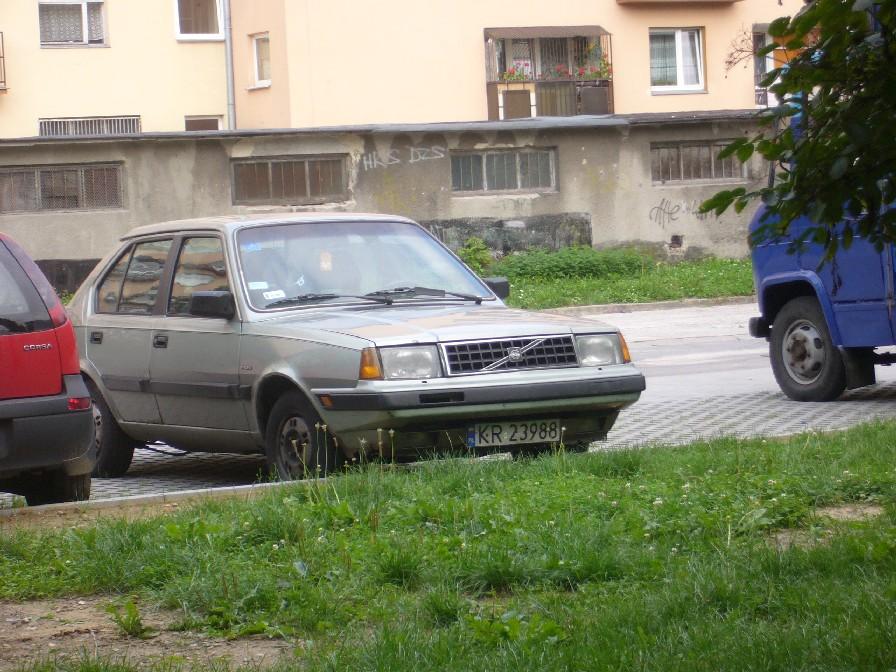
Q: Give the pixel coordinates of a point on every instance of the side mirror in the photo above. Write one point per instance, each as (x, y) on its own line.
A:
(499, 285)
(212, 304)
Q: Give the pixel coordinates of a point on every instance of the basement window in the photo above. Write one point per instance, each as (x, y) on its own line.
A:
(289, 180)
(74, 187)
(694, 162)
(506, 170)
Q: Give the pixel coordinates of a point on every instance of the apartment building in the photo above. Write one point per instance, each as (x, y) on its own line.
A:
(98, 67)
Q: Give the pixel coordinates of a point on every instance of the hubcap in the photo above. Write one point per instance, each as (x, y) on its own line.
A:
(803, 352)
(98, 426)
(293, 447)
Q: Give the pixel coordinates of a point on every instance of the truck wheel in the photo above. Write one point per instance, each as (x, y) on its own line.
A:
(297, 444)
(114, 448)
(805, 361)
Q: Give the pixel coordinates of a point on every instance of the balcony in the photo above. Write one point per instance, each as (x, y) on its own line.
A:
(558, 71)
(2, 65)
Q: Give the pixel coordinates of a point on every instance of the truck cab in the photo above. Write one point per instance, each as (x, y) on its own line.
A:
(823, 321)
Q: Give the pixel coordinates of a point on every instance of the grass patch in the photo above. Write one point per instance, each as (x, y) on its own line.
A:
(639, 559)
(654, 281)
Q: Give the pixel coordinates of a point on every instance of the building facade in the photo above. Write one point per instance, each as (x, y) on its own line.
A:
(520, 183)
(95, 67)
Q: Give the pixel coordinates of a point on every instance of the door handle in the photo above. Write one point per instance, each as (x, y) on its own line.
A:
(160, 341)
(96, 337)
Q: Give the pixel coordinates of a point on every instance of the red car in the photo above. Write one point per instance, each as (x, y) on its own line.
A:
(47, 423)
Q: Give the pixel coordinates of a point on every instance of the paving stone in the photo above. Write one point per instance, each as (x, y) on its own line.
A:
(159, 469)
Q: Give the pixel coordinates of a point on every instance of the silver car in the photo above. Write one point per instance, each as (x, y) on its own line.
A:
(318, 339)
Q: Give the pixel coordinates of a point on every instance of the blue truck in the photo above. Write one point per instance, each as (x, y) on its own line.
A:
(823, 321)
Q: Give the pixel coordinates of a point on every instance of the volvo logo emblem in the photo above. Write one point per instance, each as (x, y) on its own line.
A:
(514, 354)
(37, 346)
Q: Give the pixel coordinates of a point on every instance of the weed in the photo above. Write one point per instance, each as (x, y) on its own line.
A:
(127, 617)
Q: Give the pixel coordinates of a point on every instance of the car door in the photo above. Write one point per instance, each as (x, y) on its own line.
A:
(118, 336)
(194, 368)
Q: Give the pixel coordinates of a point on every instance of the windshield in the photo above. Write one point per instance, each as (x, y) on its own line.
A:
(310, 263)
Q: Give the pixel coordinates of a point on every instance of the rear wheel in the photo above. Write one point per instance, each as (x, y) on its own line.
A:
(297, 443)
(55, 487)
(805, 361)
(114, 448)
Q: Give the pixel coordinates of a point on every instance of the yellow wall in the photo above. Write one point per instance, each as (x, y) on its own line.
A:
(411, 61)
(144, 70)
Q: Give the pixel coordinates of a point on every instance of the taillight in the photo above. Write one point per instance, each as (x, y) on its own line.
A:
(57, 314)
(78, 403)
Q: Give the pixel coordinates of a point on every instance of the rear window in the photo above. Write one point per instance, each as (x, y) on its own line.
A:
(21, 308)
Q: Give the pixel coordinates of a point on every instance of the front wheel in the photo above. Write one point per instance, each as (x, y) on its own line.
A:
(805, 361)
(297, 443)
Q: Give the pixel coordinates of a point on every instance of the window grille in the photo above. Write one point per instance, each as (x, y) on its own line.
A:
(691, 162)
(94, 187)
(66, 23)
(90, 126)
(289, 180)
(507, 170)
(2, 65)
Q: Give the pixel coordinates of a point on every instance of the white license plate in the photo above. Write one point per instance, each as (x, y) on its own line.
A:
(513, 433)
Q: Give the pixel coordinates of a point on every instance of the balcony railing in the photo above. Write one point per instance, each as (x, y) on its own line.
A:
(549, 98)
(2, 65)
(540, 71)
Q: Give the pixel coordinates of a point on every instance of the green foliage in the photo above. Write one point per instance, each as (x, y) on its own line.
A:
(127, 617)
(476, 255)
(842, 163)
(572, 262)
(652, 558)
(708, 278)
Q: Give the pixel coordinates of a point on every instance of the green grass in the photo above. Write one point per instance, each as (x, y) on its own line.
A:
(651, 559)
(709, 278)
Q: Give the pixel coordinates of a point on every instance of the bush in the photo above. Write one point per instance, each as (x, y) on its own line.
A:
(476, 255)
(572, 262)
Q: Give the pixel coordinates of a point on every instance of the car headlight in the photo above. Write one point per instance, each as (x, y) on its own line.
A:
(601, 350)
(410, 362)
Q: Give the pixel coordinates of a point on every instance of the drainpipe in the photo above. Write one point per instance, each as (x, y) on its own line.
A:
(228, 66)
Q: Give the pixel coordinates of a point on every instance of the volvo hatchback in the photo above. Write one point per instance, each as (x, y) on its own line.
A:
(46, 421)
(321, 338)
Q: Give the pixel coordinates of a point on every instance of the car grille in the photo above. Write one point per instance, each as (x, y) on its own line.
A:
(531, 352)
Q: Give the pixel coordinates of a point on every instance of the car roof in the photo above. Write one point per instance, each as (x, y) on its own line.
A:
(228, 223)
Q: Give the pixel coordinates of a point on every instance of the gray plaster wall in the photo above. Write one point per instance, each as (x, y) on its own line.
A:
(604, 193)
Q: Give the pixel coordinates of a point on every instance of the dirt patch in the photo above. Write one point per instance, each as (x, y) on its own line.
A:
(787, 538)
(850, 512)
(74, 627)
(69, 517)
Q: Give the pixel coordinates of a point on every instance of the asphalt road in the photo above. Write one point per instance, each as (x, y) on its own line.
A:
(706, 377)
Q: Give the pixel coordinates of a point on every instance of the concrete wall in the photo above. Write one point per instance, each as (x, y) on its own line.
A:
(604, 192)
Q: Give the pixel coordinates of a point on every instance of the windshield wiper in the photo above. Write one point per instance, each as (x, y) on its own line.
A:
(424, 291)
(312, 297)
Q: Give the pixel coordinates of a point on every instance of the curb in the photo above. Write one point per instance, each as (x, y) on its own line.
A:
(576, 311)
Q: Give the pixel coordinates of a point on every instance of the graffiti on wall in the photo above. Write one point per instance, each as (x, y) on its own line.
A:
(374, 160)
(667, 211)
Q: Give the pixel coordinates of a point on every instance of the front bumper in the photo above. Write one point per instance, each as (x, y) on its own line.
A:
(432, 414)
(41, 434)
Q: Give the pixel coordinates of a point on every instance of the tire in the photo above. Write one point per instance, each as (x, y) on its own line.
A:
(56, 487)
(296, 443)
(805, 361)
(114, 448)
(536, 449)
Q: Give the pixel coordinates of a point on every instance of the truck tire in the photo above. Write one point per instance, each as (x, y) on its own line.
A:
(114, 448)
(297, 445)
(805, 361)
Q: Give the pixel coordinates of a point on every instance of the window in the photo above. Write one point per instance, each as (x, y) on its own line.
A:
(262, 50)
(200, 268)
(681, 162)
(198, 19)
(676, 59)
(135, 289)
(71, 22)
(289, 180)
(202, 123)
(90, 125)
(94, 187)
(514, 170)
